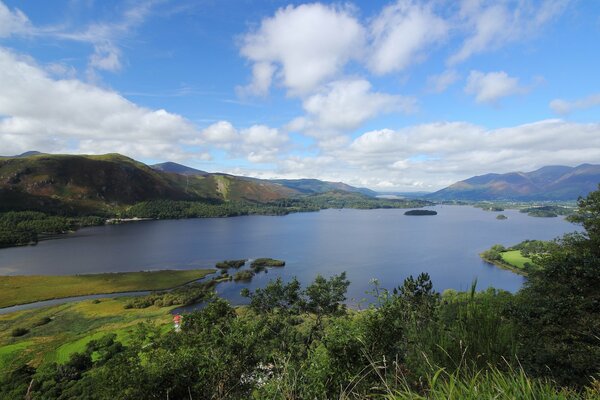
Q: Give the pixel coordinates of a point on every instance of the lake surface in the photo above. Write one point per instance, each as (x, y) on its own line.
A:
(381, 244)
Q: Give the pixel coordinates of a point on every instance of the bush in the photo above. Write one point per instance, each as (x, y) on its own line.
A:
(19, 332)
(42, 321)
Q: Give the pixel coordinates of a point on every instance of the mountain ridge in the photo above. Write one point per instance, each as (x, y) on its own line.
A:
(84, 183)
(552, 182)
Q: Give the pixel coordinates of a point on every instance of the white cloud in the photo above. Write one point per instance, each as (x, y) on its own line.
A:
(432, 156)
(308, 44)
(106, 57)
(400, 33)
(490, 87)
(13, 22)
(105, 37)
(443, 153)
(439, 83)
(492, 24)
(564, 107)
(258, 143)
(67, 115)
(344, 105)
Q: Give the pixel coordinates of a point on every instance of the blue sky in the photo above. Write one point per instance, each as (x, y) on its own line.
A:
(399, 95)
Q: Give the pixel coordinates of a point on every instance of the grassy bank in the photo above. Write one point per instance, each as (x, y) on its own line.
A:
(514, 261)
(27, 289)
(518, 258)
(59, 331)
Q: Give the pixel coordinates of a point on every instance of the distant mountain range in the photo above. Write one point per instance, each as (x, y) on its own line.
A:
(90, 182)
(36, 180)
(547, 183)
(302, 186)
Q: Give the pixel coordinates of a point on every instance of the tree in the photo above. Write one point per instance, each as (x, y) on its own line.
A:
(558, 310)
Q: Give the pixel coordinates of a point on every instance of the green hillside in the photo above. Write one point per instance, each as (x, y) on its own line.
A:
(90, 183)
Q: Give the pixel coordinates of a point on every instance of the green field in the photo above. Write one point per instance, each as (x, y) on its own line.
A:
(27, 289)
(71, 327)
(515, 258)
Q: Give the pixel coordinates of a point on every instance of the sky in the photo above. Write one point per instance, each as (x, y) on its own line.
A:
(391, 95)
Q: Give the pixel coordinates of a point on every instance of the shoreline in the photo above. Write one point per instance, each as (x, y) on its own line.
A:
(503, 265)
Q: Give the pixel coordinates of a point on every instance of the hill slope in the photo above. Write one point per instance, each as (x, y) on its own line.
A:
(314, 186)
(177, 169)
(302, 186)
(82, 183)
(546, 183)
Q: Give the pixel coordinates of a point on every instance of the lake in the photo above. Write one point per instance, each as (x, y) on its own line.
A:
(383, 244)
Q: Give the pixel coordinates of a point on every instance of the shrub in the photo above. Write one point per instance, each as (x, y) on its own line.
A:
(19, 332)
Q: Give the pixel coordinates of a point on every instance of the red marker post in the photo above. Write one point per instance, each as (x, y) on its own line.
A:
(177, 319)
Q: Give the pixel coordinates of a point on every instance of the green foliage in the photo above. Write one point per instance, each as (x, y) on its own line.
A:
(25, 227)
(184, 295)
(491, 383)
(558, 310)
(588, 214)
(420, 212)
(267, 262)
(277, 296)
(230, 264)
(547, 211)
(243, 276)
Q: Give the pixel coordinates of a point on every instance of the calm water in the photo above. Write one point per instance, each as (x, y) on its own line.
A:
(382, 244)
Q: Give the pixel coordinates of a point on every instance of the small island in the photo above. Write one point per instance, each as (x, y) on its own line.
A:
(267, 262)
(230, 264)
(501, 217)
(420, 212)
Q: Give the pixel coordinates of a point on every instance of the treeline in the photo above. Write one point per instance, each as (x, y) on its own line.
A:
(171, 209)
(26, 227)
(547, 211)
(182, 296)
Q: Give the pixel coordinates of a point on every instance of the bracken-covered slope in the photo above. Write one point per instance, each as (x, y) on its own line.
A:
(84, 182)
(314, 186)
(547, 183)
(295, 186)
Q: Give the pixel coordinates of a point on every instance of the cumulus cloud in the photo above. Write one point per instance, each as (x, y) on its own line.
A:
(564, 107)
(490, 87)
(432, 156)
(439, 83)
(258, 143)
(492, 24)
(442, 153)
(345, 105)
(400, 33)
(67, 115)
(302, 46)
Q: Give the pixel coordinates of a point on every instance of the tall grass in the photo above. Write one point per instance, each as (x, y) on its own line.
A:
(489, 384)
(470, 326)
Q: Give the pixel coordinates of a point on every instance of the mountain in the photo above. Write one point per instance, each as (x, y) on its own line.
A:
(26, 154)
(302, 186)
(314, 186)
(547, 183)
(83, 182)
(178, 169)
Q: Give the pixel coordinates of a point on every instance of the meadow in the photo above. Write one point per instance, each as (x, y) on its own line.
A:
(22, 289)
